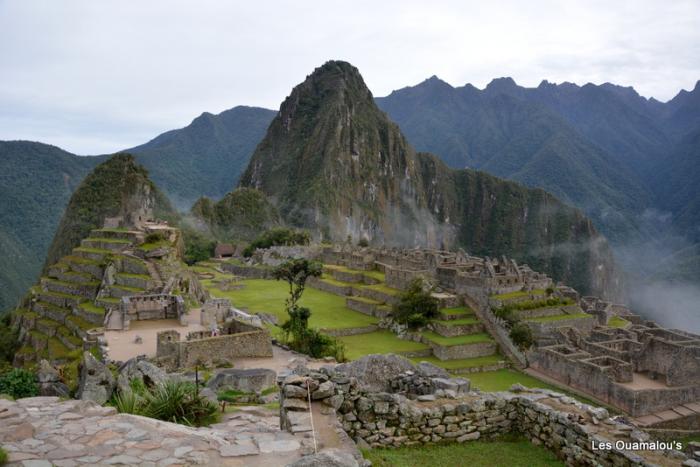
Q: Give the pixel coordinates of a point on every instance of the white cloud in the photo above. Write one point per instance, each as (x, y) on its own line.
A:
(96, 77)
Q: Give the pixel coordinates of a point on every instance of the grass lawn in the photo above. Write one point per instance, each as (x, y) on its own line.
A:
(507, 451)
(268, 296)
(461, 363)
(546, 319)
(457, 322)
(457, 340)
(382, 288)
(377, 275)
(381, 341)
(502, 380)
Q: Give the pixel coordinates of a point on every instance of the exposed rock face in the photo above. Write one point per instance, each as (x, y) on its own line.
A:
(50, 383)
(96, 380)
(141, 370)
(432, 371)
(375, 372)
(247, 380)
(333, 163)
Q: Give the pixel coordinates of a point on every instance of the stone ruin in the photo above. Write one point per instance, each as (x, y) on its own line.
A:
(387, 418)
(146, 307)
(237, 339)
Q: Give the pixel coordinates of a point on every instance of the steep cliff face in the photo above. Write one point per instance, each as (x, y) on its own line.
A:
(333, 163)
(117, 188)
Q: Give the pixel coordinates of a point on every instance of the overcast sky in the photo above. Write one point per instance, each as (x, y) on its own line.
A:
(99, 76)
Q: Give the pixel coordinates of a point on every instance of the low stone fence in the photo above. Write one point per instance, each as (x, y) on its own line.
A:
(456, 329)
(349, 331)
(543, 329)
(455, 352)
(249, 272)
(335, 289)
(379, 419)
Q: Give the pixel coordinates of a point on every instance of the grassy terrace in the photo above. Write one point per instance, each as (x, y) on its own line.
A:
(518, 294)
(79, 260)
(547, 319)
(134, 290)
(268, 296)
(617, 322)
(506, 451)
(100, 251)
(381, 288)
(113, 230)
(461, 363)
(460, 321)
(92, 308)
(154, 245)
(381, 341)
(134, 276)
(459, 310)
(108, 240)
(457, 340)
(378, 275)
(80, 322)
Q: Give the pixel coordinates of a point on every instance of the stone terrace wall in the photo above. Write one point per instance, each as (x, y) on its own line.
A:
(391, 420)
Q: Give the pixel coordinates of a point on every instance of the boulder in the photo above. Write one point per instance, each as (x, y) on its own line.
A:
(375, 372)
(96, 380)
(247, 380)
(432, 371)
(49, 380)
(458, 385)
(327, 458)
(141, 370)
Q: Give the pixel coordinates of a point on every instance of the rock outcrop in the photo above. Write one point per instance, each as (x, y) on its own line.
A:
(49, 380)
(141, 370)
(96, 380)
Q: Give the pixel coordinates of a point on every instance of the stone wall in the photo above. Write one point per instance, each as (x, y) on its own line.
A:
(381, 419)
(175, 354)
(249, 272)
(454, 352)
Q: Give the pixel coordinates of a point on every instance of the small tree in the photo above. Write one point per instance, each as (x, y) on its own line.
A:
(416, 306)
(521, 335)
(295, 272)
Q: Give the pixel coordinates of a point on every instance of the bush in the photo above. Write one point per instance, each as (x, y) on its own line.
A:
(198, 247)
(363, 242)
(171, 401)
(521, 335)
(3, 457)
(19, 383)
(416, 306)
(278, 237)
(155, 237)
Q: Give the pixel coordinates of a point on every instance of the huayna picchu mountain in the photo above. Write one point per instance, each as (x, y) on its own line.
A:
(332, 162)
(111, 243)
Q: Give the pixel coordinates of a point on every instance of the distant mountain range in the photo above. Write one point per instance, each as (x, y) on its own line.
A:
(604, 149)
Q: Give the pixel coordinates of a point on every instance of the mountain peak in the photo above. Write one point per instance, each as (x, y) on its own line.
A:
(502, 84)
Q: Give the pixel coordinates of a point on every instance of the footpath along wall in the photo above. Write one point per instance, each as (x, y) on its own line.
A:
(381, 419)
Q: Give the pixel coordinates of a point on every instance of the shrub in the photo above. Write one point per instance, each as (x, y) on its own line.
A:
(8, 339)
(521, 335)
(363, 242)
(3, 457)
(19, 383)
(155, 237)
(198, 247)
(278, 237)
(416, 306)
(171, 401)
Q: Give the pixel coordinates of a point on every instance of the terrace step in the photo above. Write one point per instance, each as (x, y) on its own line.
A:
(68, 339)
(132, 236)
(94, 254)
(368, 307)
(91, 313)
(84, 265)
(460, 347)
(111, 244)
(60, 299)
(107, 302)
(140, 281)
(461, 312)
(458, 327)
(49, 310)
(47, 326)
(55, 270)
(118, 291)
(87, 290)
(468, 365)
(379, 293)
(342, 289)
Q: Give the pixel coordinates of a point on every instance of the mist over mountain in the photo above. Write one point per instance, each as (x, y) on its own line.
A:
(333, 163)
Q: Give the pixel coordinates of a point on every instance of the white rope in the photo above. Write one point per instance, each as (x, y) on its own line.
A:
(311, 416)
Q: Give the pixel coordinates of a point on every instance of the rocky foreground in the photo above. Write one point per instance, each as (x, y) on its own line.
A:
(45, 431)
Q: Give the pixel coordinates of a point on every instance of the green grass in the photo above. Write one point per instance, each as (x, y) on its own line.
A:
(458, 340)
(327, 310)
(110, 300)
(458, 310)
(135, 290)
(461, 363)
(502, 380)
(79, 260)
(382, 288)
(381, 341)
(328, 279)
(154, 245)
(617, 322)
(457, 322)
(92, 308)
(80, 322)
(108, 240)
(377, 275)
(506, 451)
(49, 323)
(113, 230)
(546, 319)
(518, 294)
(101, 251)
